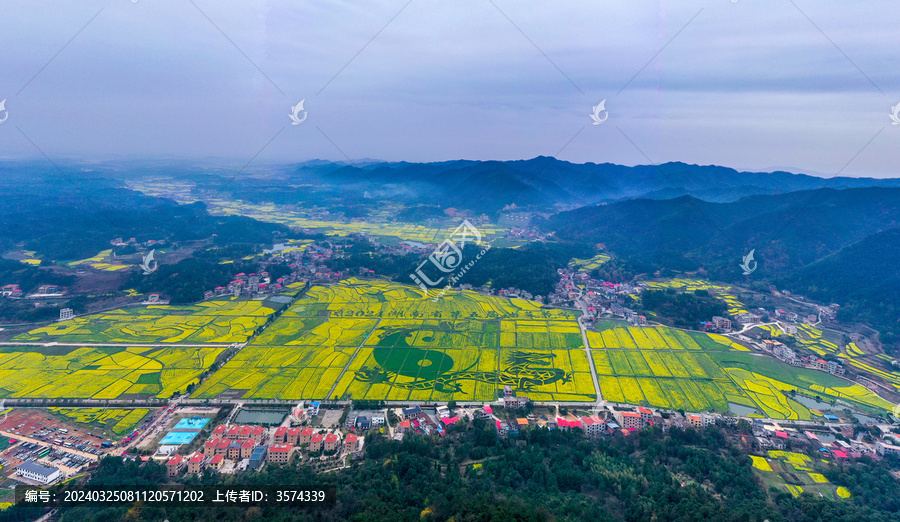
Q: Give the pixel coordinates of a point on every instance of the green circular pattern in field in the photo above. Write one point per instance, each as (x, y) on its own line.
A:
(413, 362)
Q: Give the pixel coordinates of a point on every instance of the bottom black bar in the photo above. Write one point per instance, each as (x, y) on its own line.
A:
(177, 495)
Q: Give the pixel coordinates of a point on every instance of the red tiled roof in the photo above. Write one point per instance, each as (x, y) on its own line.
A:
(220, 429)
(280, 448)
(317, 437)
(174, 461)
(351, 438)
(644, 410)
(217, 459)
(224, 443)
(281, 431)
(331, 437)
(306, 431)
(781, 434)
(449, 420)
(294, 431)
(248, 444)
(488, 409)
(196, 458)
(258, 430)
(211, 443)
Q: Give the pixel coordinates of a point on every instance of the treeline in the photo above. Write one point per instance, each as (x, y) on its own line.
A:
(186, 280)
(532, 268)
(682, 310)
(554, 475)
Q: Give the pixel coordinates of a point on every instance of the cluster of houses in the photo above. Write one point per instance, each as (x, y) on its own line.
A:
(244, 446)
(415, 420)
(826, 442)
(601, 298)
(233, 448)
(150, 243)
(788, 355)
(610, 421)
(249, 285)
(13, 291)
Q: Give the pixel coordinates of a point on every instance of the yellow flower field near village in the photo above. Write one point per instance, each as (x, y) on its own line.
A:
(101, 372)
(218, 321)
(694, 371)
(386, 341)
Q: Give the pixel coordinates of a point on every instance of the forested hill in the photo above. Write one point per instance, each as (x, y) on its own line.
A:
(542, 183)
(835, 245)
(864, 277)
(72, 214)
(551, 475)
(787, 231)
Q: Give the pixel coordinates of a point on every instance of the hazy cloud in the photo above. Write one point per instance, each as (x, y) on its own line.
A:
(747, 84)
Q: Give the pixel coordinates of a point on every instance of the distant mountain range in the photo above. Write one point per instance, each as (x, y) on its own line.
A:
(545, 183)
(836, 239)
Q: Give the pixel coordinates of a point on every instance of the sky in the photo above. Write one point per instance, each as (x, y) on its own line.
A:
(746, 84)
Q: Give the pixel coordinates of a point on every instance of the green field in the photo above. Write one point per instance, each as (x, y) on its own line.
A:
(391, 343)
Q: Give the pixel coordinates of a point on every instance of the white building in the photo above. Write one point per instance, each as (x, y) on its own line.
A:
(884, 448)
(38, 473)
(66, 314)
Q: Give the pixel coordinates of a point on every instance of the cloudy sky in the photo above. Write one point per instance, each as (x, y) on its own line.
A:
(749, 84)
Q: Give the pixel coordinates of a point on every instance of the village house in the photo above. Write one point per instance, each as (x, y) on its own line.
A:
(351, 443)
(279, 453)
(629, 420)
(174, 465)
(315, 443)
(195, 463)
(332, 442)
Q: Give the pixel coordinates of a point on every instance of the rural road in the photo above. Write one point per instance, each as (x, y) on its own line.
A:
(587, 351)
(116, 345)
